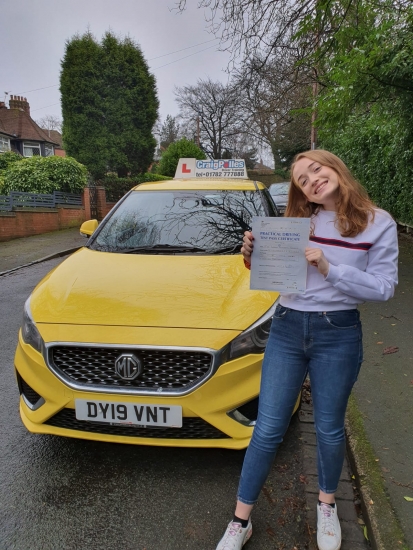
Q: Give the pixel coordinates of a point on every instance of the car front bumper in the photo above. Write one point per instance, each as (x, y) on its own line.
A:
(210, 411)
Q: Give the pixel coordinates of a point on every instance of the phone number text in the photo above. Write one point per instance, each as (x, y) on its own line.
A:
(219, 174)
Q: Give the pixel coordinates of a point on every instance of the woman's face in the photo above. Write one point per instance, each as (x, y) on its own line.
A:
(318, 183)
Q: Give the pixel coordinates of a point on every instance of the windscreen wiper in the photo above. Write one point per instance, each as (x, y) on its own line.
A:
(159, 248)
(226, 249)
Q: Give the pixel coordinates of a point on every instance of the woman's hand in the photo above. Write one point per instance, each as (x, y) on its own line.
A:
(315, 256)
(247, 246)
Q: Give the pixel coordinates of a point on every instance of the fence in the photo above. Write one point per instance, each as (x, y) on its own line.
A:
(17, 199)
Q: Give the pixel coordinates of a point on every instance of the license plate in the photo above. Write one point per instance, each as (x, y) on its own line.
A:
(140, 414)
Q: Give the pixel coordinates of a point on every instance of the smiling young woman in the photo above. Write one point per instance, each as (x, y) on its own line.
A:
(352, 258)
(352, 204)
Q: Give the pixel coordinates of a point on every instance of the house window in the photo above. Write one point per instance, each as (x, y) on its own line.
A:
(31, 149)
(48, 150)
(4, 144)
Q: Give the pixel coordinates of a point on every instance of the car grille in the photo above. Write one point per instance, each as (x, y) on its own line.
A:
(168, 371)
(192, 428)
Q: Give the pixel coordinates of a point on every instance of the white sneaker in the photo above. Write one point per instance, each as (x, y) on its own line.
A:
(328, 527)
(235, 536)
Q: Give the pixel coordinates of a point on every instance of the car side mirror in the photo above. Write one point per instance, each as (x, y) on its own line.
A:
(88, 228)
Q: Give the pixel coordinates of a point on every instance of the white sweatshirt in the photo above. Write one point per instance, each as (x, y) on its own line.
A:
(362, 268)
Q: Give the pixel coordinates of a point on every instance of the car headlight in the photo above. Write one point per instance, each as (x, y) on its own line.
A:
(30, 333)
(255, 338)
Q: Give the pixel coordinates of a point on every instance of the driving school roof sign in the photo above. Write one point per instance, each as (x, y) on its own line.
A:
(223, 168)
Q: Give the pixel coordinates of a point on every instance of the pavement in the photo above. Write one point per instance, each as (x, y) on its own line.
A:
(378, 472)
(23, 251)
(380, 419)
(352, 519)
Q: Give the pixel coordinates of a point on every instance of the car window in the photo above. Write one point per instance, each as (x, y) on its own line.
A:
(206, 220)
(279, 189)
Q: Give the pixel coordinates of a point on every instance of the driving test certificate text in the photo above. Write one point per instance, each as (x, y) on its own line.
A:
(278, 261)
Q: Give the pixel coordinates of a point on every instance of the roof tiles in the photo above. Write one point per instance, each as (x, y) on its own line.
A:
(20, 125)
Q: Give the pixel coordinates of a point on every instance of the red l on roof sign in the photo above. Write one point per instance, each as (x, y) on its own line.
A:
(185, 168)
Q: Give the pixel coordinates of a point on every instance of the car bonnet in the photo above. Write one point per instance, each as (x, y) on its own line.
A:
(192, 291)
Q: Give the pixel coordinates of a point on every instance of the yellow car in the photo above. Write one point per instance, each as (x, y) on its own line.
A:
(150, 334)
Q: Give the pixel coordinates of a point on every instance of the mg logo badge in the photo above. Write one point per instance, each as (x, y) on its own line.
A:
(128, 366)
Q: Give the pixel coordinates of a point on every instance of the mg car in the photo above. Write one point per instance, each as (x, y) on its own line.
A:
(150, 334)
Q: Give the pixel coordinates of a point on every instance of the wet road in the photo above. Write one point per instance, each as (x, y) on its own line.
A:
(58, 493)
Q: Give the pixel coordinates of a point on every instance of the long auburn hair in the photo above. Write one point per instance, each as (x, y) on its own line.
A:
(354, 207)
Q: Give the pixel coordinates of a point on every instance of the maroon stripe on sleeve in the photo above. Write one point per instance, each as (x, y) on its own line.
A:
(343, 244)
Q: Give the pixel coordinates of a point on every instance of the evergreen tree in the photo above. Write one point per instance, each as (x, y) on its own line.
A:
(109, 105)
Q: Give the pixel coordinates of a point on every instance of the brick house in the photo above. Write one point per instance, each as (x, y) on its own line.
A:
(5, 139)
(20, 133)
(57, 138)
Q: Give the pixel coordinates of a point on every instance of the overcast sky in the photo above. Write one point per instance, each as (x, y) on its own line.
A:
(34, 33)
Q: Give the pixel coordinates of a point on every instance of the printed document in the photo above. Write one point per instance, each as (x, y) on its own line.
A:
(278, 261)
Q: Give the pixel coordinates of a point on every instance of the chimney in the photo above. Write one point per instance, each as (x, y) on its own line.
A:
(17, 102)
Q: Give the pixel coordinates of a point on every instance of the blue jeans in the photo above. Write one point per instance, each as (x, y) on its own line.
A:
(327, 345)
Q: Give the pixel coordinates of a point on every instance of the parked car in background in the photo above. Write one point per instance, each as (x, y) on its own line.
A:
(279, 194)
(150, 334)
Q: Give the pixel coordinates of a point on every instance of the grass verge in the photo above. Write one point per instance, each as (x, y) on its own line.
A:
(384, 530)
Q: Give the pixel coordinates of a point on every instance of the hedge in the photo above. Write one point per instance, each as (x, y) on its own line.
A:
(378, 149)
(179, 149)
(8, 158)
(117, 187)
(45, 175)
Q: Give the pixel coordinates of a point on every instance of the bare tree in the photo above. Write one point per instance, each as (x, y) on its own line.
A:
(169, 131)
(272, 44)
(243, 145)
(261, 28)
(251, 28)
(166, 132)
(319, 34)
(276, 100)
(50, 122)
(210, 112)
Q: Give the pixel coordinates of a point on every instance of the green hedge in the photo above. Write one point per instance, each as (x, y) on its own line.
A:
(378, 149)
(117, 187)
(179, 149)
(45, 175)
(8, 158)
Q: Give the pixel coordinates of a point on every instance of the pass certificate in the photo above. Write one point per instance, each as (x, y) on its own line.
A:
(278, 261)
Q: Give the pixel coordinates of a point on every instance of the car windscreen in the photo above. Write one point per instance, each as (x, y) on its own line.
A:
(181, 221)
